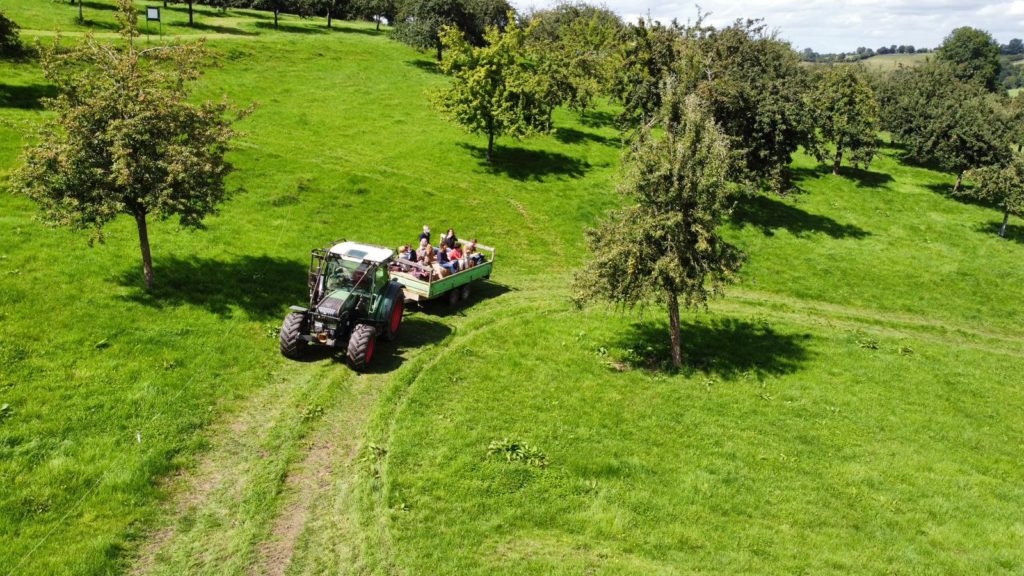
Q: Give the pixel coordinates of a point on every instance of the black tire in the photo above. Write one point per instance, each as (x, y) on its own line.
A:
(361, 345)
(393, 321)
(292, 330)
(453, 297)
(465, 292)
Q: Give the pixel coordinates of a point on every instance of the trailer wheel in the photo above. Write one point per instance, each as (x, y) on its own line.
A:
(453, 297)
(292, 329)
(395, 320)
(465, 292)
(361, 345)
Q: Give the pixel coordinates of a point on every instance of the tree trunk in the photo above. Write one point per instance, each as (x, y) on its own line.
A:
(81, 16)
(959, 181)
(490, 144)
(839, 157)
(329, 17)
(190, 22)
(439, 50)
(378, 23)
(673, 322)
(1002, 229)
(276, 10)
(147, 258)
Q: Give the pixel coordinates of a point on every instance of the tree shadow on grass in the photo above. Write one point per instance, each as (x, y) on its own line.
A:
(1014, 232)
(524, 164)
(26, 97)
(96, 25)
(724, 346)
(425, 65)
(261, 286)
(215, 29)
(341, 28)
(767, 214)
(599, 119)
(863, 178)
(91, 5)
(282, 27)
(573, 136)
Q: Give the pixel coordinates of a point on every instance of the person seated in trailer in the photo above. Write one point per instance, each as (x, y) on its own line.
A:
(425, 255)
(455, 253)
(425, 235)
(449, 239)
(472, 255)
(406, 253)
(445, 260)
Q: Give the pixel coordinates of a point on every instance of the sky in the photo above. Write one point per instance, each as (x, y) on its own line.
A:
(838, 26)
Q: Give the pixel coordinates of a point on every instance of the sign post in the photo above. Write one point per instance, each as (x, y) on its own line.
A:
(153, 15)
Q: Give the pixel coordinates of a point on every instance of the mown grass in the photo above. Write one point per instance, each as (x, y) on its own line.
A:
(851, 406)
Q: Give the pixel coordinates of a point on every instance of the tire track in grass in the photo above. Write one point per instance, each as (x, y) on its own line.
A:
(331, 452)
(371, 504)
(218, 512)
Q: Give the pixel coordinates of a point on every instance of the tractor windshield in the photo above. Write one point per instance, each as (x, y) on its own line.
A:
(344, 274)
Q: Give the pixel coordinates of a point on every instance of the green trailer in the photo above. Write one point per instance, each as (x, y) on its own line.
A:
(455, 286)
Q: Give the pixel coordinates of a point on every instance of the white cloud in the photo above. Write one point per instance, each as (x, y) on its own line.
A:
(831, 26)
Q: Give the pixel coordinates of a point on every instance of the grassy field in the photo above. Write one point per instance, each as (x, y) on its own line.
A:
(891, 61)
(852, 405)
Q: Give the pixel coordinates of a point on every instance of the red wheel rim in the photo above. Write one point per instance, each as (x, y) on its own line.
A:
(369, 351)
(396, 316)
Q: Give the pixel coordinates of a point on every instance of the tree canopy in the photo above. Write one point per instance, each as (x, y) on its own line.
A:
(755, 86)
(646, 55)
(846, 116)
(419, 22)
(577, 44)
(946, 121)
(1002, 186)
(497, 89)
(124, 138)
(973, 55)
(664, 243)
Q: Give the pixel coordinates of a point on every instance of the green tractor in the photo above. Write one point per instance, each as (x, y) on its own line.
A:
(352, 301)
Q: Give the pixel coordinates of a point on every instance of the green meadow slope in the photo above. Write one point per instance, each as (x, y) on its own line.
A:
(852, 405)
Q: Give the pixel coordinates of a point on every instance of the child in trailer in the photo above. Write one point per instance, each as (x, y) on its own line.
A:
(473, 258)
(455, 254)
(445, 261)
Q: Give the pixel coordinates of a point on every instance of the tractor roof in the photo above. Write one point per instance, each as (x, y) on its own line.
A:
(357, 251)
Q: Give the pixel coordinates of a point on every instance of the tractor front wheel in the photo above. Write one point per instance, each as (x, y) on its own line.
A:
(360, 346)
(394, 320)
(292, 329)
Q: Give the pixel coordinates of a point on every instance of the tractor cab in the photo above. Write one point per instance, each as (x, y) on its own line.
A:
(347, 276)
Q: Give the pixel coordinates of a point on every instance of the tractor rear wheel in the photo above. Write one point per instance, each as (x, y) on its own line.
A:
(453, 297)
(360, 346)
(292, 329)
(394, 320)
